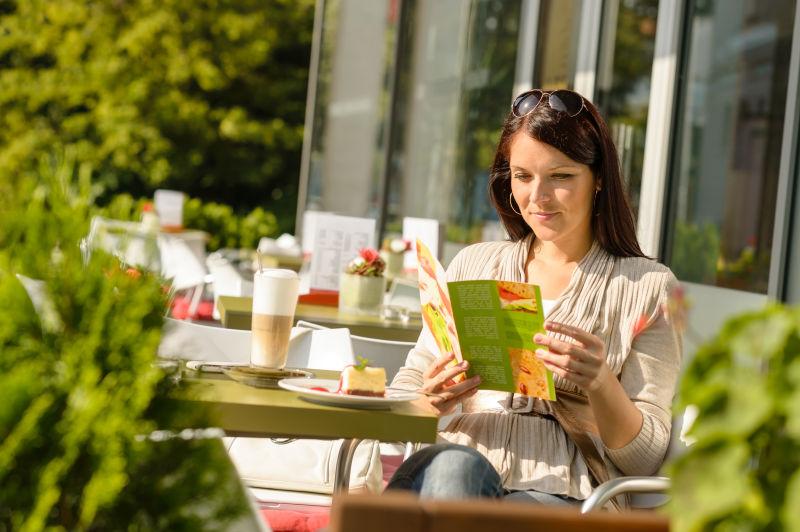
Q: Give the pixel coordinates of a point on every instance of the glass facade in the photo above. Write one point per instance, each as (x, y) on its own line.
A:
(557, 44)
(623, 81)
(728, 150)
(351, 107)
(411, 95)
(454, 89)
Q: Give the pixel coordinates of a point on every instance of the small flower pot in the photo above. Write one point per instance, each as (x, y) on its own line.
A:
(360, 294)
(394, 263)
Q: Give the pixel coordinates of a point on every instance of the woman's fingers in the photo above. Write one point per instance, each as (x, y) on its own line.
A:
(437, 366)
(561, 347)
(446, 400)
(448, 374)
(586, 339)
(567, 362)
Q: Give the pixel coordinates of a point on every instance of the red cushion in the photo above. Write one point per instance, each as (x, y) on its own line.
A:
(307, 518)
(180, 309)
(390, 464)
(291, 518)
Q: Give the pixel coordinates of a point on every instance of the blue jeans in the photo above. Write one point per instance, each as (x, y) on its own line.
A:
(449, 471)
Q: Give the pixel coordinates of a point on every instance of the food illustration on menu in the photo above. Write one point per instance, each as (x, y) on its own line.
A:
(489, 323)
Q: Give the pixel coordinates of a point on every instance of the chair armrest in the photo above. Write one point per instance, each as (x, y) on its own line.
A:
(608, 490)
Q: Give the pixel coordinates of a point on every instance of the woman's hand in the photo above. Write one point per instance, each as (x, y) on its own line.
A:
(442, 394)
(582, 363)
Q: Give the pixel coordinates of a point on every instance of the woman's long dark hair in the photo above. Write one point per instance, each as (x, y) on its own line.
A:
(585, 139)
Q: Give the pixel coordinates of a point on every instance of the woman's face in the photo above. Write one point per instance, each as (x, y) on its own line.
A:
(553, 192)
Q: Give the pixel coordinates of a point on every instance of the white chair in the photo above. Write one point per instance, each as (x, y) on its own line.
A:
(388, 354)
(328, 349)
(183, 262)
(226, 279)
(645, 492)
(127, 241)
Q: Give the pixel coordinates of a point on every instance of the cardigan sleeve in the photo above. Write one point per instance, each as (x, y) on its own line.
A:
(649, 376)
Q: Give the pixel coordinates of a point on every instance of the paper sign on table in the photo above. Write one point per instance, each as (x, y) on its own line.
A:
(429, 231)
(489, 323)
(336, 241)
(169, 207)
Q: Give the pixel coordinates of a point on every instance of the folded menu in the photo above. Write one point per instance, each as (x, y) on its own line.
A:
(489, 323)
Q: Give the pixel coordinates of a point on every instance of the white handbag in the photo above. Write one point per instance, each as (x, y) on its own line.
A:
(303, 465)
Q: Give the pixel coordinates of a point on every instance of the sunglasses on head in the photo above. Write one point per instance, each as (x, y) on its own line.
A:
(561, 100)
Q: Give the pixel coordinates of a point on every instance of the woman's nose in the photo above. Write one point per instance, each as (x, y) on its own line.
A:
(539, 191)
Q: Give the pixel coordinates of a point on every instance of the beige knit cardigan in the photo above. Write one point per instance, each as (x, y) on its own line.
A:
(606, 295)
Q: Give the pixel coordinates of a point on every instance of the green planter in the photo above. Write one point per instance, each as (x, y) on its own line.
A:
(360, 294)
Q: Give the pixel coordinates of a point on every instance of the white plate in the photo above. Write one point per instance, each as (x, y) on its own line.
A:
(303, 387)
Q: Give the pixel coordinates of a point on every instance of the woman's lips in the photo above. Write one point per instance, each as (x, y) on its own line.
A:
(544, 216)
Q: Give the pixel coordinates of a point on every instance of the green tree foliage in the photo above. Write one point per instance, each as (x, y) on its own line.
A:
(206, 96)
(80, 384)
(743, 471)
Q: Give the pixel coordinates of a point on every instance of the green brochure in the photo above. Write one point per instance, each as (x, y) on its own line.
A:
(491, 324)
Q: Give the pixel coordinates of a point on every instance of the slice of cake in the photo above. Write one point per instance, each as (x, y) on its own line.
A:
(363, 380)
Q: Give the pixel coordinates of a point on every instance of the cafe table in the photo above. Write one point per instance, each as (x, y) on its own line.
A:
(242, 410)
(236, 313)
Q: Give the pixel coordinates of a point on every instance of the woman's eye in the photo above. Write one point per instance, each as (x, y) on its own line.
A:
(521, 176)
(561, 176)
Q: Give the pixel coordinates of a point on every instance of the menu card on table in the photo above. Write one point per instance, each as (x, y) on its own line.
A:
(429, 231)
(489, 323)
(336, 241)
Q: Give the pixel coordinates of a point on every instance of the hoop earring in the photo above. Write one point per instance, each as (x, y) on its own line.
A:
(511, 203)
(595, 208)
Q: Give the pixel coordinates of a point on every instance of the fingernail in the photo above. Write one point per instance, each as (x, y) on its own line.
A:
(464, 364)
(537, 337)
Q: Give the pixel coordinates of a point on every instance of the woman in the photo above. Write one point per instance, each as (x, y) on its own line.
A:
(557, 188)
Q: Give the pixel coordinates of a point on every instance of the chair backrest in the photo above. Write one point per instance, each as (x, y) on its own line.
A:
(127, 241)
(182, 261)
(324, 349)
(192, 341)
(226, 279)
(396, 512)
(388, 354)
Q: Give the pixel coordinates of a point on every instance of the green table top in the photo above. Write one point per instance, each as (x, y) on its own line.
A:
(236, 313)
(244, 410)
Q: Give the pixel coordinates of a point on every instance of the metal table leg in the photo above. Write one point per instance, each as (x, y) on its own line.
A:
(341, 482)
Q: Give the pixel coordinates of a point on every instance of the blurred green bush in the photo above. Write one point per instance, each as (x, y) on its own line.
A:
(743, 470)
(80, 384)
(205, 97)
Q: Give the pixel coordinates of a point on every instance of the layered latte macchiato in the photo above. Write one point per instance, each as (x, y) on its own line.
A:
(274, 302)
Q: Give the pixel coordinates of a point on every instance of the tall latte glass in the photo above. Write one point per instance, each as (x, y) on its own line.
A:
(274, 301)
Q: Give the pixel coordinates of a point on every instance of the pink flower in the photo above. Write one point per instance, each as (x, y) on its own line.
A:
(368, 263)
(369, 255)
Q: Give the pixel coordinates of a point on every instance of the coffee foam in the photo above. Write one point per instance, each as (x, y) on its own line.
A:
(275, 292)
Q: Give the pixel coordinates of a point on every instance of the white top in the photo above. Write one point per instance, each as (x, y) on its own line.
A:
(547, 306)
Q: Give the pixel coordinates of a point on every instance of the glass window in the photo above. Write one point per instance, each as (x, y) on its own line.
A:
(455, 83)
(345, 174)
(623, 81)
(729, 142)
(557, 44)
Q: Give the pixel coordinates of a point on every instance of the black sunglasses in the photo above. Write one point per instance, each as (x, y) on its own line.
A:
(562, 100)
